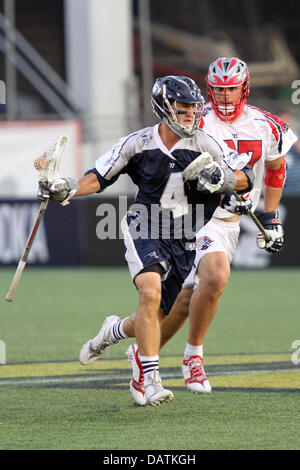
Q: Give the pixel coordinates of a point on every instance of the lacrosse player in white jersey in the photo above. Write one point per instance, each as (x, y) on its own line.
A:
(266, 139)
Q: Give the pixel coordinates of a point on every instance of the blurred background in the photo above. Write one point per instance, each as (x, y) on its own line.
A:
(86, 69)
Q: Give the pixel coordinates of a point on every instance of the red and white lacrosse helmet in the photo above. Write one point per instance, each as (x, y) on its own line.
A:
(225, 74)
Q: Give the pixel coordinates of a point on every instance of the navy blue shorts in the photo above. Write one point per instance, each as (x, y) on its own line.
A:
(171, 254)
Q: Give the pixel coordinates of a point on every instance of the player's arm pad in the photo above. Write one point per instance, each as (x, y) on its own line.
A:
(276, 178)
(250, 177)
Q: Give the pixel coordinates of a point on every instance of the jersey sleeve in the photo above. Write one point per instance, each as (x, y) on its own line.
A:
(207, 143)
(222, 153)
(114, 162)
(282, 138)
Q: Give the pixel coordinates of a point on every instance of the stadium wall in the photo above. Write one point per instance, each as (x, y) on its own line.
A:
(69, 236)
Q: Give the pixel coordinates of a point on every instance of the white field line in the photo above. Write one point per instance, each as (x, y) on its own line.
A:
(122, 378)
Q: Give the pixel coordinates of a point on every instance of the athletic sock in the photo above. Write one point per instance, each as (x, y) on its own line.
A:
(117, 331)
(191, 350)
(149, 364)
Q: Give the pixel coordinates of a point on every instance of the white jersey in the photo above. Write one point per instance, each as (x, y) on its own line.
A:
(258, 133)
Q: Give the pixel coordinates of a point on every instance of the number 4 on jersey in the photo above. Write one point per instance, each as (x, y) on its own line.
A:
(173, 197)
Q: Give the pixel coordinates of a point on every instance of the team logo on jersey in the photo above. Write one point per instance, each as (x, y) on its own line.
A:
(145, 138)
(203, 243)
(285, 128)
(109, 161)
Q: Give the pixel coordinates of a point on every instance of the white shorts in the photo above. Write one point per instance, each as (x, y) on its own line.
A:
(216, 235)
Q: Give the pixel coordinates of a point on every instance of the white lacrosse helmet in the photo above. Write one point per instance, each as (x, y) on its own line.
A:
(227, 73)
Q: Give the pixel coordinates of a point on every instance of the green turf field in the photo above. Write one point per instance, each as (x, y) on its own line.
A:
(49, 401)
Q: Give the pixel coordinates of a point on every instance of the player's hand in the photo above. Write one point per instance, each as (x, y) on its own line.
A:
(211, 178)
(43, 191)
(63, 189)
(272, 224)
(232, 204)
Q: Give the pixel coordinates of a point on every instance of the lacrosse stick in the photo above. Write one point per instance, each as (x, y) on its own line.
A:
(191, 173)
(253, 217)
(48, 168)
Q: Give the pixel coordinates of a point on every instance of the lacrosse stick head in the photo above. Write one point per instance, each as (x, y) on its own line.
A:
(48, 164)
(40, 164)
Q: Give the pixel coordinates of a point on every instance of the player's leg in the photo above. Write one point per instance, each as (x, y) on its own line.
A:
(147, 333)
(115, 329)
(146, 323)
(170, 324)
(176, 318)
(170, 288)
(215, 249)
(213, 271)
(137, 381)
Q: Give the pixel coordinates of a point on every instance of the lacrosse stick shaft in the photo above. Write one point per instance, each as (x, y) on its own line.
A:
(23, 260)
(48, 167)
(254, 218)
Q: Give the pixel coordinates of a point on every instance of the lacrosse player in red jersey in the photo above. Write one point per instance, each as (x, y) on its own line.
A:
(266, 139)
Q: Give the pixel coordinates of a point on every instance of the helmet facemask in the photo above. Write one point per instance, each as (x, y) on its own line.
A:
(228, 104)
(172, 118)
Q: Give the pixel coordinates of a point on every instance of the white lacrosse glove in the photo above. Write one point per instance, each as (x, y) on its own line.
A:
(272, 225)
(210, 178)
(232, 204)
(210, 175)
(216, 179)
(64, 189)
(61, 190)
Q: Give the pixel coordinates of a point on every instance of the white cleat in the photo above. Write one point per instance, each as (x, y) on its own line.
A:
(194, 375)
(155, 394)
(137, 382)
(91, 350)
